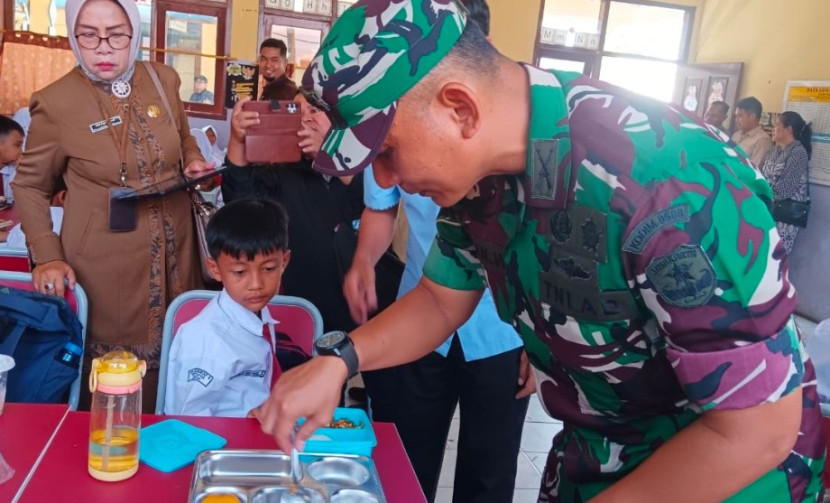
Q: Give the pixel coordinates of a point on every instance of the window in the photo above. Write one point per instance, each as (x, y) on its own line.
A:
(193, 36)
(40, 16)
(631, 43)
(302, 25)
(189, 35)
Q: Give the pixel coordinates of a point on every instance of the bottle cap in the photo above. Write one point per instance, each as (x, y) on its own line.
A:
(116, 369)
(73, 348)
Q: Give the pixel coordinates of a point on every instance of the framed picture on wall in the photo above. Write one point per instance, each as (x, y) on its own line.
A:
(692, 91)
(718, 87)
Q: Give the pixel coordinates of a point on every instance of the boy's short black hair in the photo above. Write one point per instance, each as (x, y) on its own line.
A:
(7, 125)
(247, 227)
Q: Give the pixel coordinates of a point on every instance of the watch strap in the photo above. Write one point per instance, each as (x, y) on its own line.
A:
(348, 354)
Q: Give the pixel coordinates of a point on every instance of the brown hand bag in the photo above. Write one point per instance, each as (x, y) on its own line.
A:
(201, 209)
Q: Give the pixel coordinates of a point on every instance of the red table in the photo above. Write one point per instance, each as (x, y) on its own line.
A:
(25, 430)
(64, 468)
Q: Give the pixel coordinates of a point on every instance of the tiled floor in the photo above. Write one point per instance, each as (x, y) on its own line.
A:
(538, 432)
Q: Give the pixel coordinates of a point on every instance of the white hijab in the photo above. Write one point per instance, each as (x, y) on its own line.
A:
(217, 154)
(73, 8)
(209, 152)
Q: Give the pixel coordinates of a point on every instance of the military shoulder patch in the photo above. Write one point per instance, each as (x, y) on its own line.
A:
(645, 231)
(683, 278)
(543, 175)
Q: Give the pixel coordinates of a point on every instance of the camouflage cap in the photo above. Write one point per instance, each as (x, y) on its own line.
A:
(377, 51)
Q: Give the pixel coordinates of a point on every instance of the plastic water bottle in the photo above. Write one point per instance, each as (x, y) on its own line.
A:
(115, 416)
(69, 355)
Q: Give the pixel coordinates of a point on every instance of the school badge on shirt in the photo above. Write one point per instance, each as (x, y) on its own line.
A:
(200, 376)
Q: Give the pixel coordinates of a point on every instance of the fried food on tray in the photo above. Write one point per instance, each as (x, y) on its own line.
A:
(344, 424)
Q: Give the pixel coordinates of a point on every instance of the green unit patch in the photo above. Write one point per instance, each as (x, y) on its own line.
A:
(683, 278)
(544, 169)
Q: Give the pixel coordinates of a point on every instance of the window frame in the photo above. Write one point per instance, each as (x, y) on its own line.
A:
(593, 57)
(314, 23)
(265, 10)
(7, 15)
(6, 20)
(222, 12)
(271, 15)
(221, 9)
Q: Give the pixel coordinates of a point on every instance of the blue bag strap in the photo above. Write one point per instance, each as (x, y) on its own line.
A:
(9, 343)
(21, 305)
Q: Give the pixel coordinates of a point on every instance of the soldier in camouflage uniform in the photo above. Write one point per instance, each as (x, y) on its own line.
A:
(631, 247)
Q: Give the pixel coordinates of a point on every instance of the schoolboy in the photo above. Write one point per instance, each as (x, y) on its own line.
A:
(221, 363)
(11, 144)
(16, 239)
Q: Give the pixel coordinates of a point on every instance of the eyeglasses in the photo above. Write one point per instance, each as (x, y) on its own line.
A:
(92, 41)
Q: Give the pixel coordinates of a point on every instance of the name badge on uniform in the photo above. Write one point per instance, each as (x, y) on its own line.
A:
(102, 125)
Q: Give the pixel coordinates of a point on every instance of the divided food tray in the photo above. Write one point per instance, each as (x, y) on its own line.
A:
(263, 476)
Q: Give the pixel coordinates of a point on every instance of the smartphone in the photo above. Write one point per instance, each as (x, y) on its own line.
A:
(274, 140)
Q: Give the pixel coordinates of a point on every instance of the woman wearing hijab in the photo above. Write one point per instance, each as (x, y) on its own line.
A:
(217, 155)
(786, 167)
(211, 191)
(103, 126)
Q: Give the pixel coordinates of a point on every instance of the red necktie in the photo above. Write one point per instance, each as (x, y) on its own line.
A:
(277, 371)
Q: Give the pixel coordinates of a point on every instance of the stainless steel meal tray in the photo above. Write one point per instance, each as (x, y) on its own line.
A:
(263, 476)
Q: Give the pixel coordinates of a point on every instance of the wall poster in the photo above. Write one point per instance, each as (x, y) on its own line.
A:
(811, 99)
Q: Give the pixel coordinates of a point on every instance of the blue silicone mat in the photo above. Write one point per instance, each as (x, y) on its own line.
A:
(172, 444)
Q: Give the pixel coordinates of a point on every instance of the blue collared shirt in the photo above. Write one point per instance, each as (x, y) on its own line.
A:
(484, 335)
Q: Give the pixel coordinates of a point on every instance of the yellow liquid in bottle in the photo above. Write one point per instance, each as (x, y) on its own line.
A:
(123, 450)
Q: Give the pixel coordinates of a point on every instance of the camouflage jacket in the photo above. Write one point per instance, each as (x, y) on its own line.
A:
(638, 260)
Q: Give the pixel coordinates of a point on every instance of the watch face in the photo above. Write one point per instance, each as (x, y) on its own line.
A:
(330, 340)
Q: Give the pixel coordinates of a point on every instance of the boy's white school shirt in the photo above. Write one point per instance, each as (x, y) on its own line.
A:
(219, 363)
(17, 240)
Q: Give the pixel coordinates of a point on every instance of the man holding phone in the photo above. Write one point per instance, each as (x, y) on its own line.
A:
(316, 204)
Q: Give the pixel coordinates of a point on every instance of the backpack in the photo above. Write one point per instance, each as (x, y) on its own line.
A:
(44, 336)
(289, 354)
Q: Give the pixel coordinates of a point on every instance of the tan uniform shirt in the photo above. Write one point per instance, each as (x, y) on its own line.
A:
(755, 143)
(129, 277)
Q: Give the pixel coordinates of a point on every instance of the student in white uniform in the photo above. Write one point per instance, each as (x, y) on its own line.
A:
(220, 362)
(14, 237)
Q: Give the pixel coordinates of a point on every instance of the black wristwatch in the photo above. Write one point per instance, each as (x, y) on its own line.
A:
(338, 343)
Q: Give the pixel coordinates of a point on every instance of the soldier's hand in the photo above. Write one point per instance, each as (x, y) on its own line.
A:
(527, 381)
